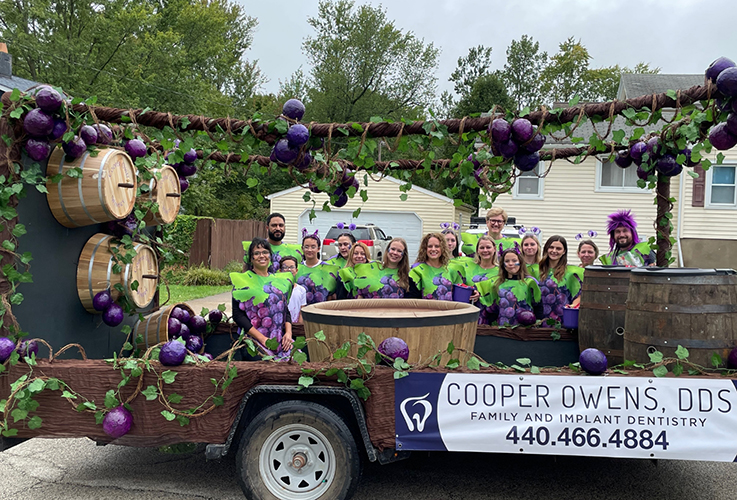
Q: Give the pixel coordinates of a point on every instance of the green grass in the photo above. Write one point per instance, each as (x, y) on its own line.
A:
(181, 293)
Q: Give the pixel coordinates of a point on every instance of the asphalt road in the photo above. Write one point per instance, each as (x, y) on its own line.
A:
(78, 469)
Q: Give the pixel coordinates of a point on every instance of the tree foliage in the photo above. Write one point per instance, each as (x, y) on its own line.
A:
(183, 56)
(363, 65)
(522, 71)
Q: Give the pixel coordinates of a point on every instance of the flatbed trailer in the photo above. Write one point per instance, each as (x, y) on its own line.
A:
(295, 442)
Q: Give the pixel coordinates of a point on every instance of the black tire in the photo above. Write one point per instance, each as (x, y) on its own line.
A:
(311, 432)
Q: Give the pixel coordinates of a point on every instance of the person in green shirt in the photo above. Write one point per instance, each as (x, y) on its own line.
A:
(484, 264)
(560, 284)
(496, 219)
(345, 241)
(431, 274)
(625, 247)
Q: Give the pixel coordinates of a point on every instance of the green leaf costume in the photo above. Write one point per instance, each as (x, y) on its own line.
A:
(277, 252)
(337, 260)
(371, 281)
(265, 300)
(320, 281)
(434, 282)
(471, 239)
(502, 306)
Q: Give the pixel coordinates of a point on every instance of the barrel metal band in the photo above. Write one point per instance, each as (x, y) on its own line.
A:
(79, 190)
(61, 196)
(92, 263)
(637, 338)
(99, 185)
(676, 308)
(325, 319)
(604, 307)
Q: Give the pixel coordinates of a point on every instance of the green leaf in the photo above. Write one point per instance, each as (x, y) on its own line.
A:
(182, 420)
(218, 400)
(151, 393)
(574, 101)
(99, 417)
(678, 369)
(272, 344)
(52, 384)
(320, 335)
(168, 376)
(10, 433)
(519, 368)
(660, 371)
(68, 395)
(524, 361)
(252, 182)
(451, 347)
(534, 369)
(403, 197)
(398, 375)
(453, 364)
(174, 398)
(35, 422)
(168, 415)
(36, 386)
(655, 357)
(681, 352)
(716, 360)
(15, 95)
(18, 414)
(306, 381)
(473, 364)
(299, 357)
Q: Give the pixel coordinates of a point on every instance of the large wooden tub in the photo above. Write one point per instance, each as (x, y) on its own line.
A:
(427, 326)
(695, 308)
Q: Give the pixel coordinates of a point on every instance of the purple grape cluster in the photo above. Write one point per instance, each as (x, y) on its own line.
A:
(293, 148)
(390, 290)
(518, 141)
(554, 298)
(188, 327)
(509, 307)
(489, 314)
(444, 290)
(723, 72)
(315, 293)
(268, 316)
(46, 124)
(185, 168)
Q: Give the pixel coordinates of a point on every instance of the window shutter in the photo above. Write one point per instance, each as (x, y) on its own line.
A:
(699, 187)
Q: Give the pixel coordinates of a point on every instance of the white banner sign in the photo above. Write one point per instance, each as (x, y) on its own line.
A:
(636, 417)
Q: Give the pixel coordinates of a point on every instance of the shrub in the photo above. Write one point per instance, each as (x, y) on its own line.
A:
(201, 275)
(234, 266)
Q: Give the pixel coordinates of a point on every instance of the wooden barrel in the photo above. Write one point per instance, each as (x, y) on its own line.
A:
(427, 326)
(106, 190)
(164, 189)
(602, 311)
(154, 328)
(95, 272)
(695, 308)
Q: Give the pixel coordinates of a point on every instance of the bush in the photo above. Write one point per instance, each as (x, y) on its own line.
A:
(174, 274)
(201, 275)
(180, 234)
(234, 266)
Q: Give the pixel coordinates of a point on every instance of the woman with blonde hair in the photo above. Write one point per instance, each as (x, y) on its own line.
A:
(388, 279)
(430, 272)
(484, 264)
(530, 250)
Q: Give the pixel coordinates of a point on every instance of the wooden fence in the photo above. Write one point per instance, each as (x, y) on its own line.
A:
(217, 242)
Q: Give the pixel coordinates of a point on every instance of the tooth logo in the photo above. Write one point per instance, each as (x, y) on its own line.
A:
(420, 419)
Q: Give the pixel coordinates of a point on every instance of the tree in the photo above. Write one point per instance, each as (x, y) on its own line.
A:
(566, 74)
(183, 56)
(603, 83)
(470, 68)
(486, 92)
(363, 65)
(522, 71)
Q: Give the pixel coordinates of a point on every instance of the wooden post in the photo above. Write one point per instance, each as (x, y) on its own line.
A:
(662, 232)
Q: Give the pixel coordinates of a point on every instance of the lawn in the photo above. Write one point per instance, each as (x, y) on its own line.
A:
(181, 293)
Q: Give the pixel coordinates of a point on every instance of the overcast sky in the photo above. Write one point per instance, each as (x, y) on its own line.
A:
(679, 36)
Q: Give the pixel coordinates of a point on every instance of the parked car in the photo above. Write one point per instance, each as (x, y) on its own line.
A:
(371, 235)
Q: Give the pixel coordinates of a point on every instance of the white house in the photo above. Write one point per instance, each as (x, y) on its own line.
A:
(572, 198)
(422, 212)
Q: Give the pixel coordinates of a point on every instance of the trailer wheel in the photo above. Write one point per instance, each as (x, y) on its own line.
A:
(298, 450)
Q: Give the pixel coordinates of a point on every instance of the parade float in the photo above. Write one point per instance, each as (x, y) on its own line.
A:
(427, 377)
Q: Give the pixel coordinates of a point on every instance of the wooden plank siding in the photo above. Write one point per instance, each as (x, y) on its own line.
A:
(571, 205)
(218, 242)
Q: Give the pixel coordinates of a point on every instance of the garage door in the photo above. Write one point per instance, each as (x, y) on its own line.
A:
(407, 225)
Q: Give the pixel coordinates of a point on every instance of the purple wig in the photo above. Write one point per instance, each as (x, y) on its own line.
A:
(621, 218)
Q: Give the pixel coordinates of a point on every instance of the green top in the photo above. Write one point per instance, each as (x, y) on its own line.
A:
(320, 281)
(278, 251)
(471, 239)
(337, 260)
(556, 294)
(502, 306)
(265, 300)
(473, 273)
(434, 282)
(638, 256)
(371, 281)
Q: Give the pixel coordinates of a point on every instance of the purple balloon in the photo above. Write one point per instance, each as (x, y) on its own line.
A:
(88, 134)
(38, 123)
(187, 169)
(190, 156)
(60, 128)
(174, 327)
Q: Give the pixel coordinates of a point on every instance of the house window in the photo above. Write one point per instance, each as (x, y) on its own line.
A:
(529, 185)
(611, 178)
(721, 189)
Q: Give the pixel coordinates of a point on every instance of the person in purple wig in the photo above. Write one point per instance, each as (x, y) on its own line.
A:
(625, 247)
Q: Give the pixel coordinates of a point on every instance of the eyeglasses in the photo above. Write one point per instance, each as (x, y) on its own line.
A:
(261, 254)
(288, 268)
(495, 222)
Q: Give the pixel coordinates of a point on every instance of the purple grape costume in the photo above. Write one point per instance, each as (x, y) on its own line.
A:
(434, 282)
(320, 281)
(556, 294)
(265, 301)
(504, 306)
(371, 281)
